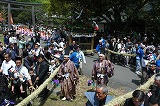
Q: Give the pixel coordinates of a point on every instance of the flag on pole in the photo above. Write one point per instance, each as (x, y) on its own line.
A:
(95, 26)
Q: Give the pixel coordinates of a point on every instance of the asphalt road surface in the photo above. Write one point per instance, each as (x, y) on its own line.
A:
(124, 77)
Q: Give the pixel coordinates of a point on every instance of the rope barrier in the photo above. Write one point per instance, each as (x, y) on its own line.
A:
(125, 54)
(121, 99)
(36, 92)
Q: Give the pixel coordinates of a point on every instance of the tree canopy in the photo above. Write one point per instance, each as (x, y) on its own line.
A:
(119, 15)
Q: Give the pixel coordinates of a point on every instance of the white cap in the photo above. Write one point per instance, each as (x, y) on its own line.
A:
(38, 44)
(102, 55)
(100, 40)
(66, 55)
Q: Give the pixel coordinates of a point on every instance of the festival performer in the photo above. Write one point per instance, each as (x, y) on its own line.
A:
(68, 76)
(102, 69)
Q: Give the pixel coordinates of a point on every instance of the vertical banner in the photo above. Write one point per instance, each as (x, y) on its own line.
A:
(11, 19)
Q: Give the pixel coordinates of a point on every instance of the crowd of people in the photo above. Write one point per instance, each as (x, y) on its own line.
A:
(139, 98)
(143, 55)
(26, 63)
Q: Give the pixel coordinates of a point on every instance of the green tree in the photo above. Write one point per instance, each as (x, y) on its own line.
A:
(120, 15)
(24, 16)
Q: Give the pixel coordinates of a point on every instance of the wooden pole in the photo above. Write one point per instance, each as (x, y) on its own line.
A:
(92, 43)
(33, 18)
(9, 16)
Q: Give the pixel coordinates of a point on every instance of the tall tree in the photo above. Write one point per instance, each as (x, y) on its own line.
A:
(119, 14)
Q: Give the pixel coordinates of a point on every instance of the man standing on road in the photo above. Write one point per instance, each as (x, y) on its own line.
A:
(68, 76)
(140, 53)
(102, 69)
(74, 57)
(81, 58)
(100, 48)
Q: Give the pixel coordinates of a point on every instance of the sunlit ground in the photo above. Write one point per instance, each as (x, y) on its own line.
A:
(54, 100)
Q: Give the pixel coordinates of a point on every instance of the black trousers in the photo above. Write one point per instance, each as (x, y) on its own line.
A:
(17, 93)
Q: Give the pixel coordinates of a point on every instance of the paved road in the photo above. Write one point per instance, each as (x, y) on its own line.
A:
(124, 77)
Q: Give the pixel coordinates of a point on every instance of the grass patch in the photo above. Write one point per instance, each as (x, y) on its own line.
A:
(1, 38)
(80, 100)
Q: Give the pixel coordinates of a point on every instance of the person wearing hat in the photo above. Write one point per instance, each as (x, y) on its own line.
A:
(100, 48)
(102, 69)
(98, 98)
(61, 58)
(68, 76)
(153, 96)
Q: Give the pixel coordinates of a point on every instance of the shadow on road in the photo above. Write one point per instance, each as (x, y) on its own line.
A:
(137, 82)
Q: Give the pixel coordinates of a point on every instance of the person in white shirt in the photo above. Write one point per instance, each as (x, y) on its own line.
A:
(36, 51)
(54, 43)
(22, 74)
(12, 39)
(81, 58)
(61, 44)
(7, 64)
(52, 67)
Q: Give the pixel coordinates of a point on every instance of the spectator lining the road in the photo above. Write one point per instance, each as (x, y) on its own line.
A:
(137, 99)
(98, 98)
